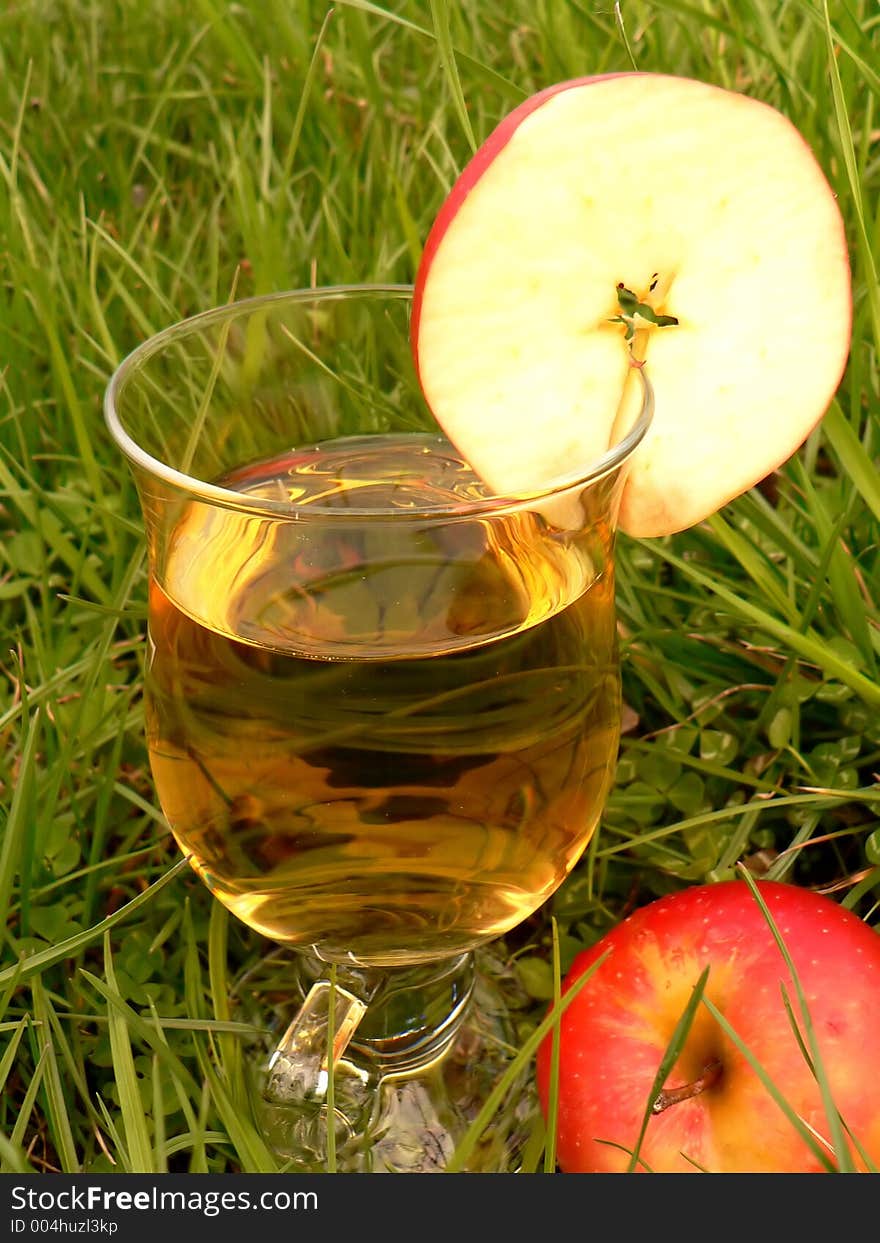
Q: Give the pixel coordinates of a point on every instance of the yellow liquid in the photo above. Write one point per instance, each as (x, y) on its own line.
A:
(432, 787)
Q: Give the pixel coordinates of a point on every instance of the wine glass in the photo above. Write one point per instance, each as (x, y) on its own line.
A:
(382, 704)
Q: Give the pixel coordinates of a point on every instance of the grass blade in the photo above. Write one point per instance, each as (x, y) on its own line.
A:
(134, 1122)
(148, 1033)
(228, 1047)
(71, 946)
(443, 35)
(249, 1145)
(304, 98)
(809, 646)
(57, 1109)
(838, 1144)
(20, 818)
(506, 88)
(553, 1096)
(847, 147)
(22, 1122)
(470, 1139)
(670, 1057)
(855, 462)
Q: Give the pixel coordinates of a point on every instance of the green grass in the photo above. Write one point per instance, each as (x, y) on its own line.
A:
(154, 157)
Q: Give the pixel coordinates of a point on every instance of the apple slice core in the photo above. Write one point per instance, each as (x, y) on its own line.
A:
(704, 203)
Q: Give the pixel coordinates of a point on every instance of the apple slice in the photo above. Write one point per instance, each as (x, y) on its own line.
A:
(640, 217)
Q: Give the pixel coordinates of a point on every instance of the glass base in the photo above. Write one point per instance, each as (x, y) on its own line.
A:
(419, 1119)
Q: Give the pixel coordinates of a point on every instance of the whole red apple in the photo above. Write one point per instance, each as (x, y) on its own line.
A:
(714, 1113)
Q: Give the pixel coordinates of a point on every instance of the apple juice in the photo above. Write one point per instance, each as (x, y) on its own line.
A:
(380, 734)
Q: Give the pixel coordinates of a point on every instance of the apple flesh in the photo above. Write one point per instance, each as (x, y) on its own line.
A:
(715, 1113)
(711, 209)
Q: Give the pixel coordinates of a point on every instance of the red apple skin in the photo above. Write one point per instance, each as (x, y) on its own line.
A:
(483, 158)
(614, 1034)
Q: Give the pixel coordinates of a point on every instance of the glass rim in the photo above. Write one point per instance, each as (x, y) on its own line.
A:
(199, 489)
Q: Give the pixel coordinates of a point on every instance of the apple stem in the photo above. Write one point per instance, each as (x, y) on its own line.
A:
(672, 1096)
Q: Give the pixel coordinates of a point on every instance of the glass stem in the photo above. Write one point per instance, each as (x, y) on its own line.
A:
(381, 1021)
(387, 1068)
